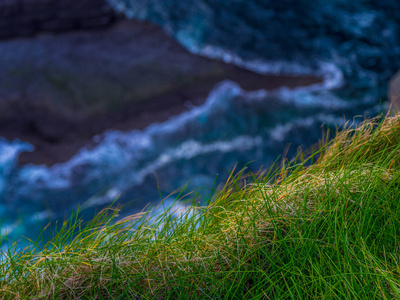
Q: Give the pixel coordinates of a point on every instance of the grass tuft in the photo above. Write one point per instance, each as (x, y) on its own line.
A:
(328, 230)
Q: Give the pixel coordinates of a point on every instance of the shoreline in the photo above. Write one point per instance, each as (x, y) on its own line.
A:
(154, 78)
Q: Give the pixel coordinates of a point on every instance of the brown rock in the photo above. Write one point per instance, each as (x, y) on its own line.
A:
(28, 17)
(394, 93)
(59, 90)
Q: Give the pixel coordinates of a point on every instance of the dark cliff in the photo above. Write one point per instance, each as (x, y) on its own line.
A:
(29, 17)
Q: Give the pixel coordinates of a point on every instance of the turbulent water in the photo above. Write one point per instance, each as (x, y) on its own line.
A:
(354, 45)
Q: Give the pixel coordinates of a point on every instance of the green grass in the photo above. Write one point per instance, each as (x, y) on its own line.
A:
(327, 230)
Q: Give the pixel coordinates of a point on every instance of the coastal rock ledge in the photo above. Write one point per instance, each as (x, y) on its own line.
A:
(30, 17)
(394, 93)
(58, 90)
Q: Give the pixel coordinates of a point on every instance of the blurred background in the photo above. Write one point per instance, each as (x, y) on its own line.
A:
(137, 98)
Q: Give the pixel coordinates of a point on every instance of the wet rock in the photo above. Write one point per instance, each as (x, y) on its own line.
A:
(59, 90)
(29, 17)
(394, 93)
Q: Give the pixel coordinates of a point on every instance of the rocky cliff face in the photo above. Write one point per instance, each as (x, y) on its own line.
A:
(28, 17)
(394, 93)
(59, 90)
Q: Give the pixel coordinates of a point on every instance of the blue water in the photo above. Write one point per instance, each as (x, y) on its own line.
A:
(354, 46)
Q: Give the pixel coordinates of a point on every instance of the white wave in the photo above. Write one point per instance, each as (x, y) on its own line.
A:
(304, 98)
(9, 151)
(187, 150)
(333, 77)
(280, 132)
(191, 148)
(316, 95)
(42, 215)
(8, 228)
(110, 196)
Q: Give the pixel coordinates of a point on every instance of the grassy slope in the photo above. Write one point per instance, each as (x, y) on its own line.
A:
(329, 230)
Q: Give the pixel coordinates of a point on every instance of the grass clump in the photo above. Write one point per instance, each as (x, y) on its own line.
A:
(328, 230)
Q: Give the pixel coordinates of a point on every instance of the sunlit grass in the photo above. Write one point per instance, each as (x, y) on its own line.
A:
(329, 230)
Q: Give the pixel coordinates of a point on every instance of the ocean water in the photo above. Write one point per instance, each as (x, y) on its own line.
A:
(354, 46)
